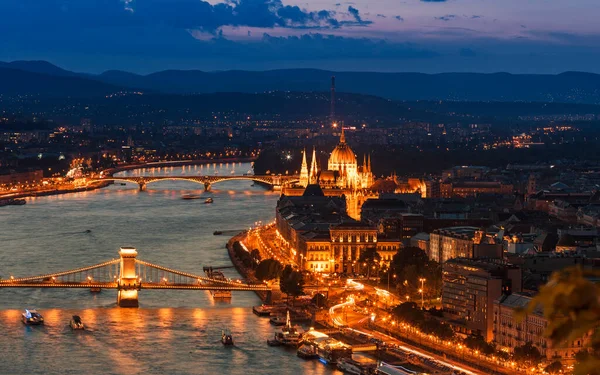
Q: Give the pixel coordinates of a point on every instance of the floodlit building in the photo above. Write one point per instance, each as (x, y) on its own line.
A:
(469, 289)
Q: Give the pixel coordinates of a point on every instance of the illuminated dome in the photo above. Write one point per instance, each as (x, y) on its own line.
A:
(342, 154)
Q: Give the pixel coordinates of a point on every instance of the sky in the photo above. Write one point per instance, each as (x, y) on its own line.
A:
(430, 36)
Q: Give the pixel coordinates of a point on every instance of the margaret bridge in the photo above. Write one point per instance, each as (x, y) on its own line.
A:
(128, 275)
(275, 182)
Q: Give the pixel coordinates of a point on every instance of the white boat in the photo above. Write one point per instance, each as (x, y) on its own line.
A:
(32, 318)
(208, 200)
(289, 335)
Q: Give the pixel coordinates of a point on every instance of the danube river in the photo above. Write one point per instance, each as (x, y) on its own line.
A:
(173, 332)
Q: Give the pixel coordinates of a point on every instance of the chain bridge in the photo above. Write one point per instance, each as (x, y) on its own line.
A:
(127, 275)
(275, 182)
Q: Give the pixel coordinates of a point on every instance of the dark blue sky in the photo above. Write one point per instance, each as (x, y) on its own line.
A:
(521, 36)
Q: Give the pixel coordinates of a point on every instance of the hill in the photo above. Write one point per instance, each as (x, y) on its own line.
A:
(569, 87)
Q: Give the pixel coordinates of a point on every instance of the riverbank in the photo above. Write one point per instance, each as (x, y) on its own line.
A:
(47, 192)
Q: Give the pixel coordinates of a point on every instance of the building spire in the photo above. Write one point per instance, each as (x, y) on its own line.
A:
(314, 170)
(304, 170)
(342, 136)
(369, 165)
(364, 165)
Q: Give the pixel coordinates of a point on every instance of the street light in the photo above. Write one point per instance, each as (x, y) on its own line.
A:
(422, 290)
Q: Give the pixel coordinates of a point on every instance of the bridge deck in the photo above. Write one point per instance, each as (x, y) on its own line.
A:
(87, 285)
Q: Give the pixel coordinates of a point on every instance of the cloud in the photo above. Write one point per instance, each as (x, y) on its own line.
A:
(434, 1)
(355, 13)
(381, 15)
(447, 17)
(399, 18)
(180, 14)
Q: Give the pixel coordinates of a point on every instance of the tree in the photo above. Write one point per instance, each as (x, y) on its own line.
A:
(268, 269)
(554, 368)
(319, 300)
(527, 353)
(409, 312)
(571, 306)
(369, 258)
(291, 282)
(478, 343)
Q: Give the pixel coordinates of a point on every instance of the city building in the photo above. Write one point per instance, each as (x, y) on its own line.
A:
(463, 242)
(343, 177)
(342, 170)
(461, 188)
(513, 329)
(322, 237)
(469, 289)
(12, 178)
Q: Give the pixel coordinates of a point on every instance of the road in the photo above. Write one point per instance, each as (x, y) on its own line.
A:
(344, 315)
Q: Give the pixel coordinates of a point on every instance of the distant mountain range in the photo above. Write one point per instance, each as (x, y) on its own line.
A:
(43, 78)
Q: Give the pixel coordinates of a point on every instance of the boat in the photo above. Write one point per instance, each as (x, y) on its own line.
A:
(12, 202)
(274, 341)
(350, 366)
(289, 335)
(32, 318)
(307, 351)
(76, 322)
(217, 275)
(278, 320)
(262, 310)
(208, 200)
(331, 351)
(217, 233)
(191, 196)
(226, 338)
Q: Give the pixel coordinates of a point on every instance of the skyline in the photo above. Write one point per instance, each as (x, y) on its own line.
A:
(413, 35)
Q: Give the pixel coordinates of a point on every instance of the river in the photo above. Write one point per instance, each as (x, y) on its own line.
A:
(173, 332)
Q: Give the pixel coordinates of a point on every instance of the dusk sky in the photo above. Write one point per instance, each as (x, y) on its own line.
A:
(520, 36)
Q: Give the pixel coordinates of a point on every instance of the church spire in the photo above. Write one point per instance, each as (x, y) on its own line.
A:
(369, 165)
(304, 170)
(313, 168)
(342, 136)
(364, 165)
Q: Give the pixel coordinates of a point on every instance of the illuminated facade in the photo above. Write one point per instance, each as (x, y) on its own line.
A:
(342, 170)
(343, 177)
(322, 237)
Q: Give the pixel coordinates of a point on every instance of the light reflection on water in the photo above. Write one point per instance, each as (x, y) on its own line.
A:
(174, 332)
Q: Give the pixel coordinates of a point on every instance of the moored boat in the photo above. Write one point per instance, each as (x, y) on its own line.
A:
(32, 318)
(278, 320)
(350, 366)
(307, 351)
(208, 200)
(262, 310)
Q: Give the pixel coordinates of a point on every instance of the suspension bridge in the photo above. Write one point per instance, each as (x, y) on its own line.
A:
(128, 275)
(275, 182)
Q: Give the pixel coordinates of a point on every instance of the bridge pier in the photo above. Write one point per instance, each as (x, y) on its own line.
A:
(128, 284)
(142, 186)
(207, 186)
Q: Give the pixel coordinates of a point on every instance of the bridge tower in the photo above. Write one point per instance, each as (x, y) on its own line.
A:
(207, 186)
(142, 186)
(128, 284)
